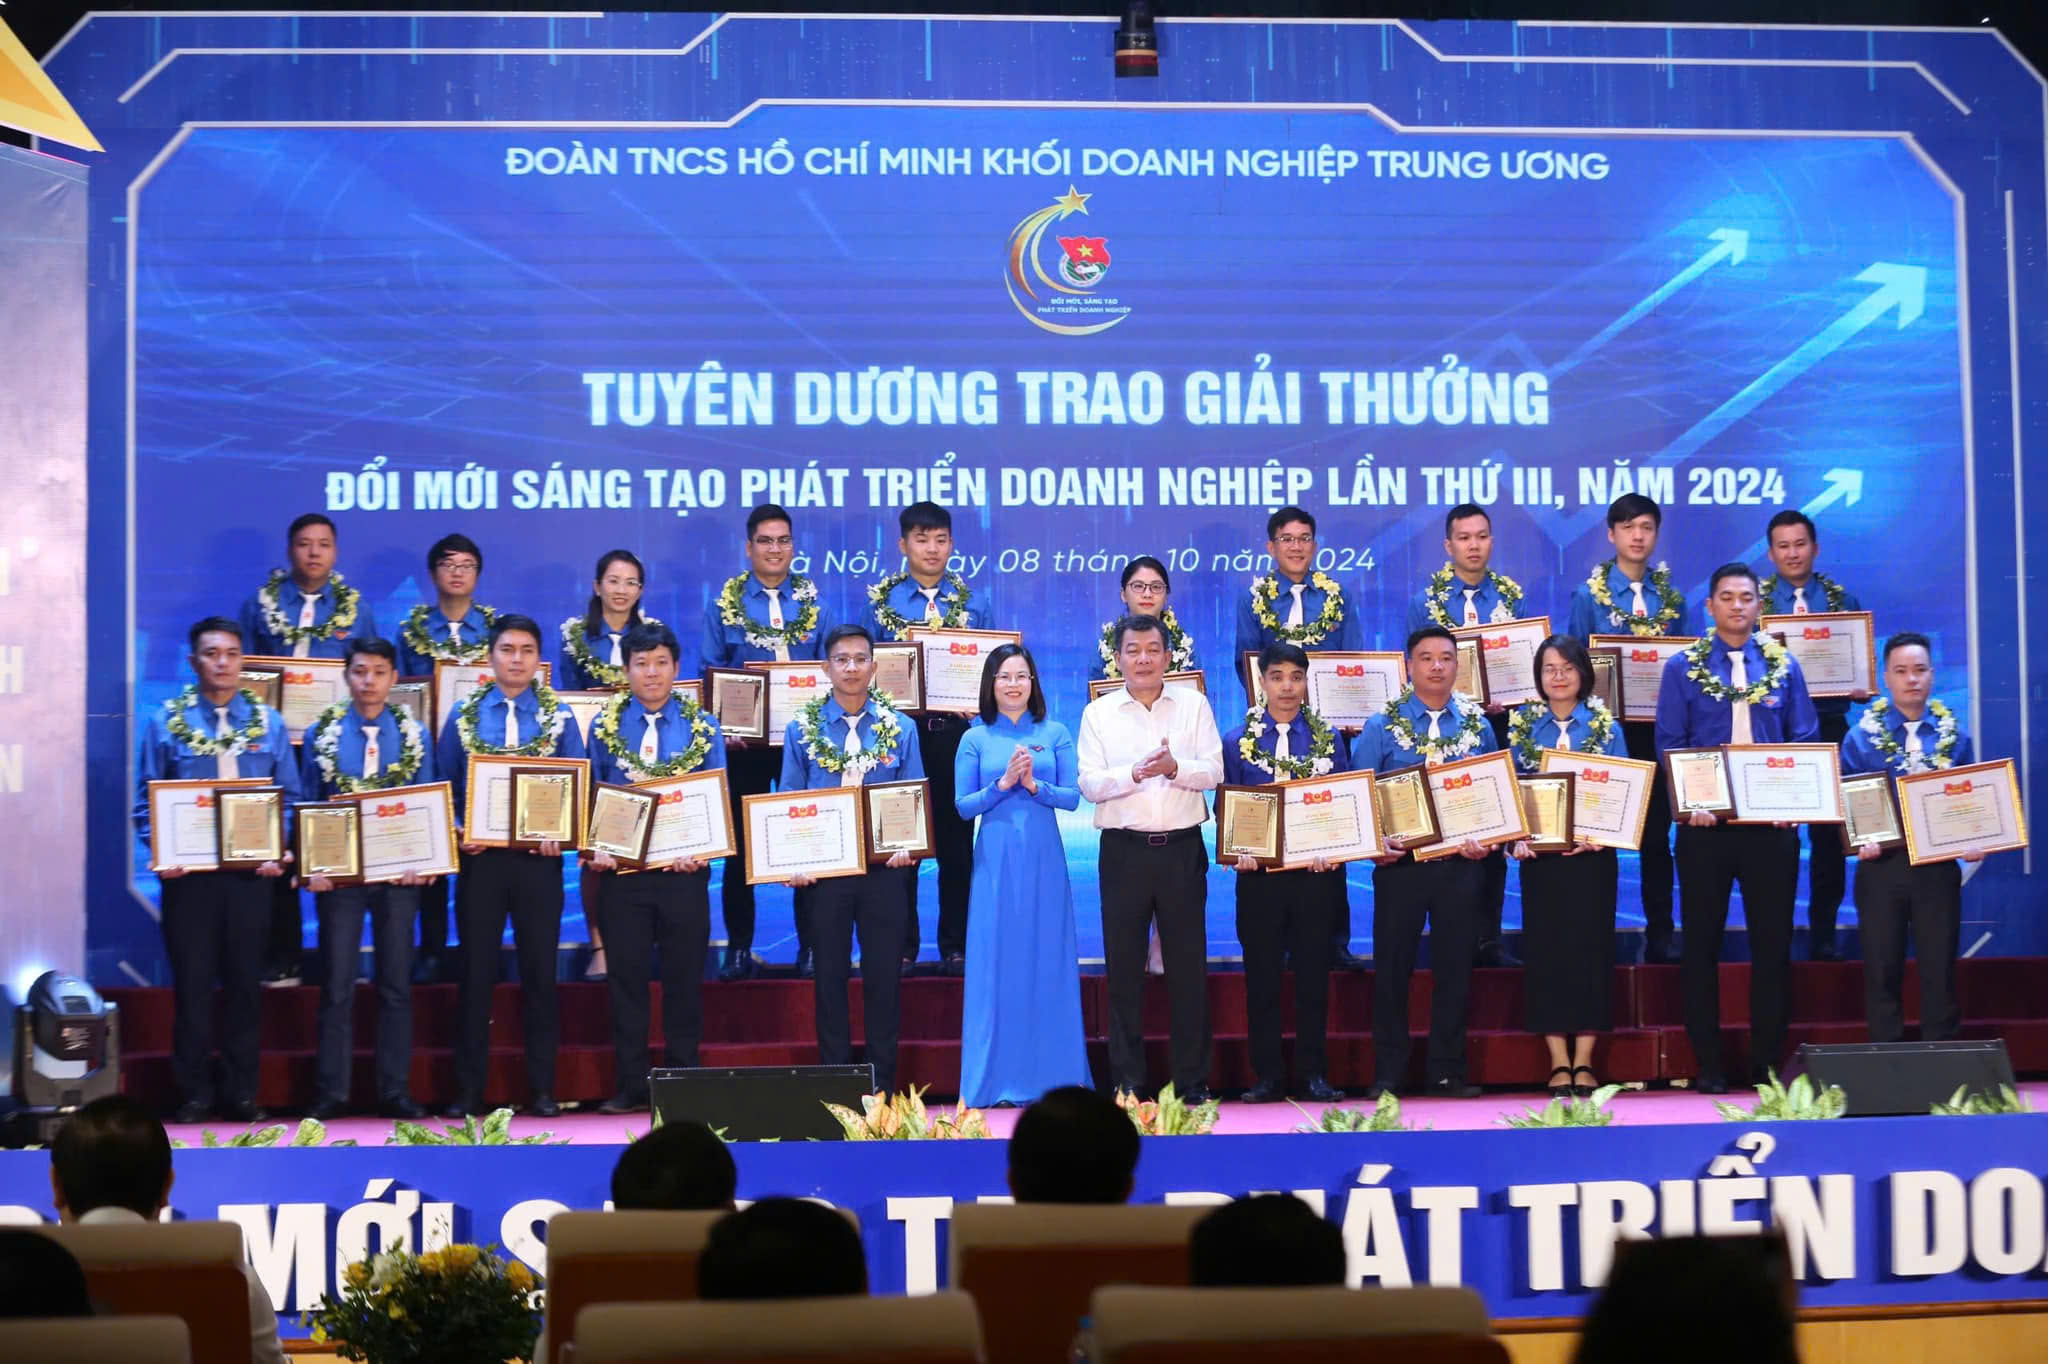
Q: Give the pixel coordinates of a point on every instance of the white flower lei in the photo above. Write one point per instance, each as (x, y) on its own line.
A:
(1180, 646)
(952, 604)
(324, 737)
(1267, 589)
(243, 740)
(1669, 601)
(1439, 592)
(1471, 724)
(606, 731)
(553, 716)
(833, 757)
(577, 646)
(346, 601)
(1316, 762)
(414, 633)
(1777, 666)
(1522, 731)
(1946, 736)
(732, 611)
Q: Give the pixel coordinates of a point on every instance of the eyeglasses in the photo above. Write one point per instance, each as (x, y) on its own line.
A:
(1295, 541)
(1012, 679)
(850, 660)
(1140, 585)
(774, 541)
(619, 582)
(458, 565)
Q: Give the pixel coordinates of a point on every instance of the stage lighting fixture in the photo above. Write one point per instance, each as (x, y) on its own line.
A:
(67, 1052)
(1137, 42)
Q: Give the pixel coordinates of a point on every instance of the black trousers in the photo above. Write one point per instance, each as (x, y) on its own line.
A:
(1764, 862)
(1142, 880)
(749, 771)
(1282, 914)
(216, 926)
(1892, 897)
(434, 908)
(527, 889)
(1827, 865)
(673, 909)
(391, 910)
(1655, 859)
(872, 906)
(938, 738)
(1447, 894)
(287, 936)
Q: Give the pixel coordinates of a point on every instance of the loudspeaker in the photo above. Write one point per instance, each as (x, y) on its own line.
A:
(759, 1103)
(1903, 1077)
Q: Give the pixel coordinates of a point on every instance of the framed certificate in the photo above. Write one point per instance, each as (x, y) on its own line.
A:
(584, 705)
(1642, 668)
(1547, 802)
(953, 660)
(621, 820)
(1699, 781)
(1331, 817)
(487, 818)
(1607, 677)
(547, 807)
(1870, 813)
(1103, 686)
(1837, 650)
(897, 819)
(1348, 688)
(267, 683)
(899, 671)
(1471, 679)
(415, 696)
(183, 828)
(1610, 796)
(791, 687)
(249, 822)
(692, 817)
(408, 829)
(1962, 811)
(453, 682)
(805, 833)
(687, 689)
(738, 699)
(306, 686)
(1406, 807)
(1507, 653)
(328, 840)
(1785, 783)
(1478, 799)
(1248, 824)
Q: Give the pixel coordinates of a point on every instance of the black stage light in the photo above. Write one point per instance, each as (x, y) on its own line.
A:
(1137, 42)
(67, 1052)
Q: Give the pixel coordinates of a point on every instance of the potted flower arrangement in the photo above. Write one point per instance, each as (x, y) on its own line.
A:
(460, 1304)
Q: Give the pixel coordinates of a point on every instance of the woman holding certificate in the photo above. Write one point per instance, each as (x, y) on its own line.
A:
(1021, 1031)
(1567, 897)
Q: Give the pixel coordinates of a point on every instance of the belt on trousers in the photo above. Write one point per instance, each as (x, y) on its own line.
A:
(1155, 840)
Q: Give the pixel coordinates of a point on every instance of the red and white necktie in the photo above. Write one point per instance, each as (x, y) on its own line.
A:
(511, 724)
(650, 742)
(304, 648)
(1914, 750)
(1641, 607)
(1471, 606)
(227, 769)
(775, 621)
(372, 763)
(852, 775)
(1738, 679)
(1799, 606)
(1281, 747)
(1294, 611)
(931, 606)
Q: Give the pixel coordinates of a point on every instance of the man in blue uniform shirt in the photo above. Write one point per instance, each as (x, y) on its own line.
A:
(1295, 604)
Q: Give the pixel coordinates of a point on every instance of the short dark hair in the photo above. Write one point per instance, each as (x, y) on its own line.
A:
(678, 1167)
(1145, 561)
(1287, 516)
(1135, 623)
(1722, 1295)
(648, 636)
(299, 523)
(1265, 1241)
(509, 622)
(371, 645)
(39, 1277)
(1575, 654)
(1074, 1145)
(782, 1248)
(924, 516)
(1792, 516)
(1464, 511)
(850, 630)
(212, 625)
(450, 545)
(1730, 570)
(1906, 639)
(1629, 506)
(112, 1154)
(767, 511)
(1416, 637)
(1278, 652)
(1000, 655)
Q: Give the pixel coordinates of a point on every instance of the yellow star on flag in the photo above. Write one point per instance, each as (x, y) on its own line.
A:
(31, 104)
(1072, 201)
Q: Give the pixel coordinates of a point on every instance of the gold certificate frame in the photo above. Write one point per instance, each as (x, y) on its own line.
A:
(1699, 782)
(1477, 799)
(1641, 668)
(249, 823)
(804, 833)
(738, 701)
(487, 805)
(1248, 824)
(896, 817)
(408, 829)
(1507, 654)
(1610, 796)
(1547, 803)
(328, 841)
(1962, 812)
(1870, 813)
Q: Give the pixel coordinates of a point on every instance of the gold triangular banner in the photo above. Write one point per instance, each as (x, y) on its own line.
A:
(29, 102)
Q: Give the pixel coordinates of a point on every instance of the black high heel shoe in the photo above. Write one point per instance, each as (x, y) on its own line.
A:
(1583, 1091)
(1561, 1091)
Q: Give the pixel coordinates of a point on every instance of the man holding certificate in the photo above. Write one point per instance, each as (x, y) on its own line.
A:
(644, 735)
(214, 922)
(1903, 732)
(765, 615)
(850, 738)
(1426, 725)
(1626, 596)
(1283, 914)
(365, 745)
(515, 714)
(1735, 688)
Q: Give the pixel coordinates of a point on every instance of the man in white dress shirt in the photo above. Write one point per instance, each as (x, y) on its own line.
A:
(1147, 753)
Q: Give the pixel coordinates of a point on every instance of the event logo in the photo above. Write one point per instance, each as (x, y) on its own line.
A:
(1781, 762)
(964, 650)
(1351, 670)
(1819, 632)
(807, 680)
(1069, 305)
(803, 811)
(669, 798)
(1457, 783)
(1318, 797)
(1588, 774)
(388, 811)
(296, 679)
(1643, 656)
(1957, 788)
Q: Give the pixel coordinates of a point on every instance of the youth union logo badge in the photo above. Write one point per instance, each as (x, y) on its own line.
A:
(1063, 299)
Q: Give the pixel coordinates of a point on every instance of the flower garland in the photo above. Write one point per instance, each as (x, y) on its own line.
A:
(346, 601)
(1180, 649)
(952, 604)
(553, 715)
(732, 610)
(419, 641)
(832, 756)
(323, 737)
(577, 646)
(243, 740)
(605, 730)
(1439, 591)
(1946, 736)
(1669, 601)
(1471, 724)
(1777, 665)
(1266, 590)
(1837, 595)
(1522, 731)
(1317, 762)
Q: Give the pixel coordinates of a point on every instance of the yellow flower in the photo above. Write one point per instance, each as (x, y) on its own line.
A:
(357, 1274)
(319, 1335)
(433, 1262)
(459, 1259)
(397, 1312)
(520, 1275)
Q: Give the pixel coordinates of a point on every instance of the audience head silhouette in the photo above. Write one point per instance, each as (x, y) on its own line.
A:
(39, 1278)
(1700, 1298)
(1073, 1146)
(782, 1248)
(678, 1167)
(1265, 1241)
(112, 1154)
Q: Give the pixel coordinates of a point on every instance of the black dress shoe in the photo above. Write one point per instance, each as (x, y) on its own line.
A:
(624, 1103)
(1710, 1082)
(402, 1108)
(1447, 1088)
(1320, 1090)
(1660, 951)
(805, 967)
(244, 1111)
(740, 964)
(327, 1110)
(955, 964)
(1495, 953)
(1264, 1092)
(1377, 1091)
(463, 1107)
(1200, 1094)
(1347, 960)
(193, 1110)
(544, 1106)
